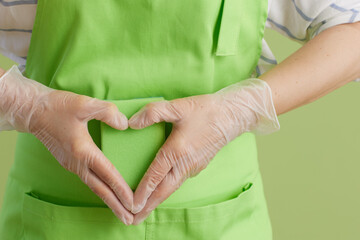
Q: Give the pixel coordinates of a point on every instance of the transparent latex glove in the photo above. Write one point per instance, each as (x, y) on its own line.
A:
(59, 120)
(202, 125)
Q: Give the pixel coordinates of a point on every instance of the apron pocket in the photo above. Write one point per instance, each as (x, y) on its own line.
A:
(132, 150)
(240, 217)
(235, 218)
(45, 220)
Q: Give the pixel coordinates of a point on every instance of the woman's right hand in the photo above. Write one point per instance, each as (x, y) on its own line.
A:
(59, 120)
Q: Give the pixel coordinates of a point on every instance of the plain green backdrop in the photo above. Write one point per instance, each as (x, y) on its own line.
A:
(310, 167)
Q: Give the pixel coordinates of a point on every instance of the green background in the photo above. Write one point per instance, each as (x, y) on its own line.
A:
(310, 167)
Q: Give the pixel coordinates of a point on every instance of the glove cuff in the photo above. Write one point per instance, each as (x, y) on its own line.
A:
(269, 121)
(4, 124)
(19, 98)
(254, 94)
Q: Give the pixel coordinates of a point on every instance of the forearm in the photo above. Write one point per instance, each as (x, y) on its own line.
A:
(325, 63)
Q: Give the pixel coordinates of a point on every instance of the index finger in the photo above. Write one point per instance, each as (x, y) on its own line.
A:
(108, 173)
(170, 184)
(156, 172)
(108, 196)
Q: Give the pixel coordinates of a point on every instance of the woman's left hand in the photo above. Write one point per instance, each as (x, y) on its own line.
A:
(202, 125)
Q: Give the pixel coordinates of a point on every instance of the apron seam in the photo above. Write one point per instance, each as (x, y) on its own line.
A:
(69, 221)
(149, 233)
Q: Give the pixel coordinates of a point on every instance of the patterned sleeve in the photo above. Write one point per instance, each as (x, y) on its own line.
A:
(302, 20)
(16, 23)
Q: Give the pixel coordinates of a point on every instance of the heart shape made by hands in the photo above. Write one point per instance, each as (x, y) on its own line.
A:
(131, 151)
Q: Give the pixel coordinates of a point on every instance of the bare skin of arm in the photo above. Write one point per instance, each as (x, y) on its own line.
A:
(325, 63)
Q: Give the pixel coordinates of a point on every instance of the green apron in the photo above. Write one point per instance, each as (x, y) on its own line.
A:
(131, 53)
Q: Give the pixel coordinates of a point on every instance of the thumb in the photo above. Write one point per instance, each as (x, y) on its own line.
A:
(109, 113)
(155, 112)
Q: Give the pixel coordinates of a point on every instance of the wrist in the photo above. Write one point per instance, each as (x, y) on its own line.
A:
(20, 97)
(250, 100)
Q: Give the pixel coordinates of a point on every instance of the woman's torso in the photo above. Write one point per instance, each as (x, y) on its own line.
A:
(141, 49)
